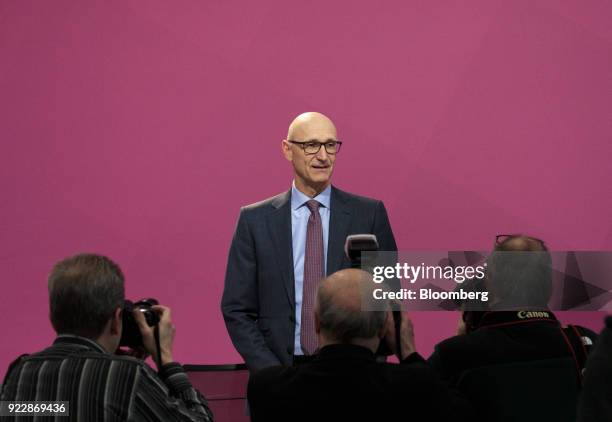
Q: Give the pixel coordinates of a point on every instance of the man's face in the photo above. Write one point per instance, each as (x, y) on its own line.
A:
(311, 170)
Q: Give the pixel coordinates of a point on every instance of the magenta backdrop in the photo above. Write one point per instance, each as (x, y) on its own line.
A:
(138, 128)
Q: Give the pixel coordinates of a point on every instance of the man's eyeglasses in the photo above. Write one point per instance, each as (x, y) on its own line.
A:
(313, 147)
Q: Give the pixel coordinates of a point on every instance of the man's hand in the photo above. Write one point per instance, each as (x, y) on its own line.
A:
(166, 334)
(406, 336)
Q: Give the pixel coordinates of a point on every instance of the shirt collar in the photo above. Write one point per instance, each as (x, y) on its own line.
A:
(298, 199)
(83, 341)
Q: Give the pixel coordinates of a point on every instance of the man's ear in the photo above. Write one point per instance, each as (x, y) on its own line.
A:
(317, 324)
(287, 151)
(116, 322)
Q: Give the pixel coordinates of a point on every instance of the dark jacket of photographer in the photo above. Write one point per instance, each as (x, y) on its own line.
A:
(345, 383)
(596, 399)
(505, 337)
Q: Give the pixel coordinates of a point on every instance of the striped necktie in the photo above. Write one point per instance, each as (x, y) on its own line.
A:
(314, 271)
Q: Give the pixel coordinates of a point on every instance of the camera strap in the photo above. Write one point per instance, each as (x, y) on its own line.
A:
(157, 346)
(397, 321)
(509, 318)
(577, 341)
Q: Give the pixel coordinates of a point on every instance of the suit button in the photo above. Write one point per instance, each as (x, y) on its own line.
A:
(291, 318)
(289, 350)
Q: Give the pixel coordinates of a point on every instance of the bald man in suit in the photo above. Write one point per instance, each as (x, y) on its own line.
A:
(284, 245)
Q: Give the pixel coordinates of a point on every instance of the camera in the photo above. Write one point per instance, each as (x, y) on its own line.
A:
(131, 336)
(362, 252)
(356, 244)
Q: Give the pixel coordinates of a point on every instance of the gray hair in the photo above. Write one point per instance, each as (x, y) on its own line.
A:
(346, 323)
(519, 273)
(84, 292)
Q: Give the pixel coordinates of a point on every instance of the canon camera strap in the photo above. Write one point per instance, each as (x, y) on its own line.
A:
(509, 318)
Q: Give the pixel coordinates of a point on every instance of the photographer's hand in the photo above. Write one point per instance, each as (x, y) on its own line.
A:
(166, 334)
(406, 336)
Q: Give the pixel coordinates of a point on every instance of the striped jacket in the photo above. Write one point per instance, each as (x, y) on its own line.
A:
(100, 386)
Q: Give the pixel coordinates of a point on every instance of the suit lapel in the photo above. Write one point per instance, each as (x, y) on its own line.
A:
(279, 225)
(339, 222)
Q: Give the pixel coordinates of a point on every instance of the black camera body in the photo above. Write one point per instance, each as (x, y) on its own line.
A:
(355, 244)
(131, 336)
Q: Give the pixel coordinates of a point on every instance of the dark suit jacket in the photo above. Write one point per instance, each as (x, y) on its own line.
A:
(505, 343)
(258, 301)
(596, 400)
(345, 383)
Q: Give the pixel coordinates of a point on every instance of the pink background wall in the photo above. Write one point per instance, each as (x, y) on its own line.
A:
(137, 128)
